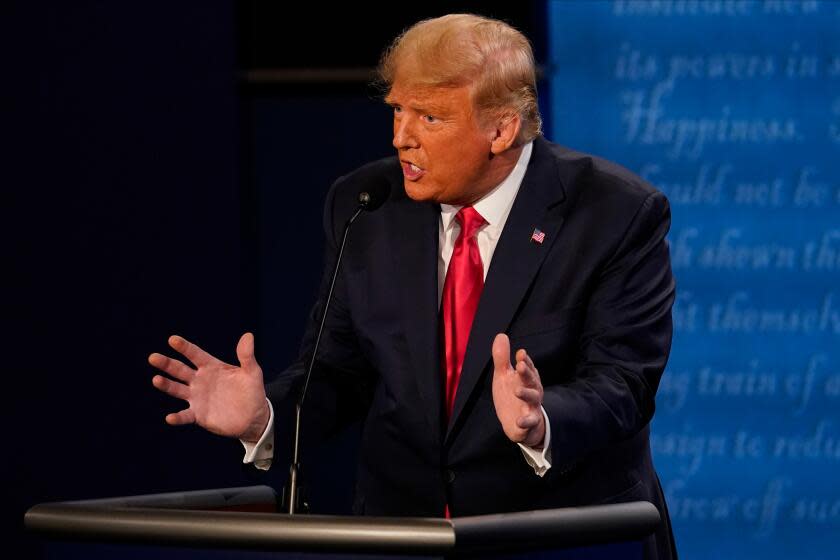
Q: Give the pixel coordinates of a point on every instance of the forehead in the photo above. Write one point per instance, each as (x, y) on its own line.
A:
(441, 98)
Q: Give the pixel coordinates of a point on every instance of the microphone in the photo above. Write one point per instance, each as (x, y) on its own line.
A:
(375, 194)
(371, 196)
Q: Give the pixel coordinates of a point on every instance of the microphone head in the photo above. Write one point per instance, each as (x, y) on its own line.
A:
(374, 194)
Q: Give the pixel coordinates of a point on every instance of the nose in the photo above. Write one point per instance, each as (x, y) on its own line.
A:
(404, 134)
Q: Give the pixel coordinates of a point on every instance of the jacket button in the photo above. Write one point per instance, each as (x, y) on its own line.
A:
(449, 476)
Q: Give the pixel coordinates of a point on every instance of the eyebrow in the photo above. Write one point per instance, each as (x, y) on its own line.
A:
(428, 109)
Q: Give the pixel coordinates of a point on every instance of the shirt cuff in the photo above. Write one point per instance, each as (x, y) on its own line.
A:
(262, 452)
(539, 459)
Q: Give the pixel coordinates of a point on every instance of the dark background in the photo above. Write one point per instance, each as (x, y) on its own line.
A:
(164, 166)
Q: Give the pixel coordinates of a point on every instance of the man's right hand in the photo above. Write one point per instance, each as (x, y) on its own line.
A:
(224, 399)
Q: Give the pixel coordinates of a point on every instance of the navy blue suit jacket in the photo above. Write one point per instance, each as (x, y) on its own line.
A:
(591, 304)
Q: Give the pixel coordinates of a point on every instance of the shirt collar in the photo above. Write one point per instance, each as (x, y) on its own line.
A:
(495, 205)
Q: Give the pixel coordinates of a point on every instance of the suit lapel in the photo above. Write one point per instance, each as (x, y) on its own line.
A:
(516, 261)
(414, 231)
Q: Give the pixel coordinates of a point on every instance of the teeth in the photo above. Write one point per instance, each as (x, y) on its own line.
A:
(414, 168)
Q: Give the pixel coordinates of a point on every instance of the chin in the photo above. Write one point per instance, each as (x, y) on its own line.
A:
(418, 193)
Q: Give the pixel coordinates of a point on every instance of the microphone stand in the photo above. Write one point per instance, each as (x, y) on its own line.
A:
(291, 493)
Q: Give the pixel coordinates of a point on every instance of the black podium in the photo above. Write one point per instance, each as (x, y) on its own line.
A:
(244, 523)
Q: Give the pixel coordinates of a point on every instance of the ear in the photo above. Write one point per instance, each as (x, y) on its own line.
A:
(506, 132)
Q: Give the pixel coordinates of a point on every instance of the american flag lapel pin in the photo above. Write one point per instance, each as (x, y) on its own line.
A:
(538, 236)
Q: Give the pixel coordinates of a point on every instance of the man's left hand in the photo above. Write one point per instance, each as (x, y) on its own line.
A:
(517, 395)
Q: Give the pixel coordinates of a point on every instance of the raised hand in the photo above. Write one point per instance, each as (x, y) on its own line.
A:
(517, 395)
(224, 399)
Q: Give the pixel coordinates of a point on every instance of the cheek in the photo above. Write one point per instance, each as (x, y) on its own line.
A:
(462, 153)
(456, 162)
(468, 161)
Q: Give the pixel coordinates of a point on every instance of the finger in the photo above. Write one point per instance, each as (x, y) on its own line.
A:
(530, 396)
(185, 416)
(527, 374)
(193, 353)
(501, 352)
(245, 351)
(522, 356)
(176, 368)
(528, 421)
(527, 359)
(171, 388)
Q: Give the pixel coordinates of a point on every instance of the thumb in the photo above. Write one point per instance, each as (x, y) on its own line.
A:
(501, 352)
(245, 350)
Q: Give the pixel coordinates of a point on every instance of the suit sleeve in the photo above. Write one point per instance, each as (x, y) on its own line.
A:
(338, 392)
(624, 346)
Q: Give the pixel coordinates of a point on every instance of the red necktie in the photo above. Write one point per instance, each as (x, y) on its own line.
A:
(461, 292)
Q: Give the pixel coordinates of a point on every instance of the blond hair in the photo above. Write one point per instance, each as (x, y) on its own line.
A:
(466, 49)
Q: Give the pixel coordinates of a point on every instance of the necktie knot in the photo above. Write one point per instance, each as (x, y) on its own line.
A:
(470, 220)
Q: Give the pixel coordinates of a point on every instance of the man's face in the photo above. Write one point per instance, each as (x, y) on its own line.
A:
(443, 149)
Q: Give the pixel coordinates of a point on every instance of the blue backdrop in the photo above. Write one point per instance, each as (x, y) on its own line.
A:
(733, 110)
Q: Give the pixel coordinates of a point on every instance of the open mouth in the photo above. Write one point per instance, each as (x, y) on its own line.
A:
(411, 171)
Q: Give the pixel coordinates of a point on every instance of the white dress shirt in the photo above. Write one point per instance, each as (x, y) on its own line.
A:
(494, 207)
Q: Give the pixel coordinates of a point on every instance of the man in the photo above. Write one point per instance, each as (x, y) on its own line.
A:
(492, 239)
